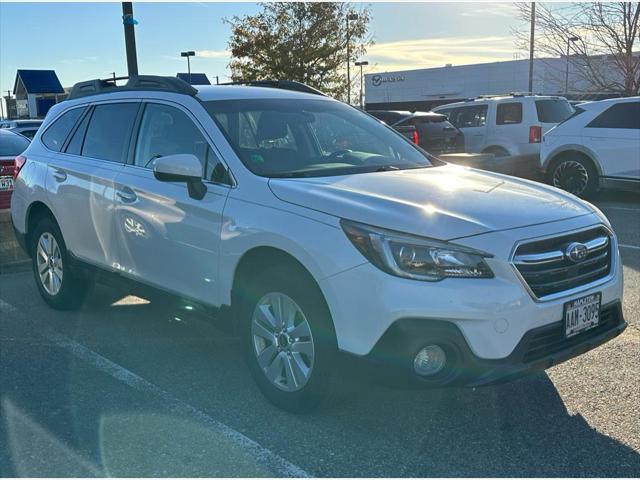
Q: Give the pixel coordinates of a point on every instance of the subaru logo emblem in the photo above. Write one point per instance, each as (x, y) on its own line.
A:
(576, 252)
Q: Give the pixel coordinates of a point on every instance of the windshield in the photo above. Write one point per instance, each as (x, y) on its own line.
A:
(553, 111)
(12, 145)
(301, 138)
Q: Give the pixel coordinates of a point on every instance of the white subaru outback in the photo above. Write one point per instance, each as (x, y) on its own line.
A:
(313, 228)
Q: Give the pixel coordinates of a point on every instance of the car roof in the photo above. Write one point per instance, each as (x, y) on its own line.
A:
(498, 99)
(240, 92)
(7, 132)
(607, 102)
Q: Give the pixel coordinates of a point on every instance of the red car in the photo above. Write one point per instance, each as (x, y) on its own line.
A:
(11, 145)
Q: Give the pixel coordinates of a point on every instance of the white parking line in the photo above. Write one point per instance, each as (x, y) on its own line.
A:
(632, 247)
(276, 464)
(613, 207)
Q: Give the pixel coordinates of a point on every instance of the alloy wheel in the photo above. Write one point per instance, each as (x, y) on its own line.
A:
(282, 341)
(571, 176)
(49, 263)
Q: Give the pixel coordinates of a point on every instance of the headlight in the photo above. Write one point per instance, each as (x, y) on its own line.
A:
(414, 257)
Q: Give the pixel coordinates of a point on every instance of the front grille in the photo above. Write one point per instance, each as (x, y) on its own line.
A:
(551, 339)
(546, 269)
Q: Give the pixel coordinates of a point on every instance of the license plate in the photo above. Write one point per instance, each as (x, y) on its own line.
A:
(582, 314)
(6, 183)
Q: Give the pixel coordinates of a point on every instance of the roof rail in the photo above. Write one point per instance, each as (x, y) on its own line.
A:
(283, 84)
(136, 82)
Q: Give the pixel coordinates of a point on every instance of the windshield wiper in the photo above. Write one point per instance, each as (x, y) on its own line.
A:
(387, 168)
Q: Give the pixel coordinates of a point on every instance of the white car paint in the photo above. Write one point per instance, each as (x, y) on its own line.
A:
(192, 247)
(615, 152)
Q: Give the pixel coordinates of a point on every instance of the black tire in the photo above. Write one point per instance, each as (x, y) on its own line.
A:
(296, 284)
(574, 174)
(72, 287)
(497, 152)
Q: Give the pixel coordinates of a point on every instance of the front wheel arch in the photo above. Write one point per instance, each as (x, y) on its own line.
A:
(591, 166)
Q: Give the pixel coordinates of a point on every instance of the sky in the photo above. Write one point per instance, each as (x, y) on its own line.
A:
(82, 41)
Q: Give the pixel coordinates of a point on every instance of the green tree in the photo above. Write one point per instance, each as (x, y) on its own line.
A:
(306, 42)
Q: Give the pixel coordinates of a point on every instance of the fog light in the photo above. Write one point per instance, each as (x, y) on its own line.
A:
(430, 360)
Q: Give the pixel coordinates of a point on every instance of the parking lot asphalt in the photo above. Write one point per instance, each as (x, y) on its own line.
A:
(145, 389)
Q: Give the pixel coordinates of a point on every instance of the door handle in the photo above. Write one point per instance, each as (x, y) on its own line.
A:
(126, 195)
(59, 175)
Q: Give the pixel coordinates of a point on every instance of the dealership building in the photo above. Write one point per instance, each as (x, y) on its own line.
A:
(425, 88)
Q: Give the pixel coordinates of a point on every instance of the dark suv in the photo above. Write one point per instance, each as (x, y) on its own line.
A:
(431, 131)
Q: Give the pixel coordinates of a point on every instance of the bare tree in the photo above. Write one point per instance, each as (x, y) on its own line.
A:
(599, 39)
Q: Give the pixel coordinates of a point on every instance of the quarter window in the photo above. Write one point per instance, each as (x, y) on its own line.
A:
(621, 115)
(108, 132)
(509, 113)
(166, 130)
(57, 133)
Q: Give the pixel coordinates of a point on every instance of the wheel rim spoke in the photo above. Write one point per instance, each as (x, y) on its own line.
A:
(49, 263)
(285, 360)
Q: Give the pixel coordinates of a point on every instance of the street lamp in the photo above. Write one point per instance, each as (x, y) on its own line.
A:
(350, 16)
(566, 73)
(361, 64)
(188, 54)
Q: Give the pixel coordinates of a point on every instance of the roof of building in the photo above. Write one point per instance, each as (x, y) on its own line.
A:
(38, 81)
(196, 78)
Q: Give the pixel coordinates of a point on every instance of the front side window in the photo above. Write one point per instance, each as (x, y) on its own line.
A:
(57, 132)
(109, 130)
(509, 113)
(622, 115)
(288, 138)
(166, 130)
(467, 117)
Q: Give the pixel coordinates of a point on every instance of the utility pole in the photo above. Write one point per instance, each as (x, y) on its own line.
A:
(361, 64)
(130, 38)
(531, 43)
(566, 73)
(350, 16)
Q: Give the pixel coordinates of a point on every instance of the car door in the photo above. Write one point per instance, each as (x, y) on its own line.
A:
(614, 136)
(80, 179)
(472, 122)
(166, 238)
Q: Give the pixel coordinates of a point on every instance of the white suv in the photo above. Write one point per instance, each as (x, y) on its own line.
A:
(506, 125)
(313, 228)
(599, 146)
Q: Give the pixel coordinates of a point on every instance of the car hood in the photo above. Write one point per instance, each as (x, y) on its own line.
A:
(441, 202)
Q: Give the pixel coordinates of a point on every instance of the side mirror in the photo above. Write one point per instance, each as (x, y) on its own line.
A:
(183, 167)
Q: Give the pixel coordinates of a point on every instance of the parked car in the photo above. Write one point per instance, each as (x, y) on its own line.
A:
(26, 128)
(599, 146)
(430, 130)
(506, 125)
(311, 227)
(11, 145)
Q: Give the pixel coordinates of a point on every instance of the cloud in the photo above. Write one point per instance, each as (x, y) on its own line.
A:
(437, 52)
(84, 59)
(492, 9)
(213, 53)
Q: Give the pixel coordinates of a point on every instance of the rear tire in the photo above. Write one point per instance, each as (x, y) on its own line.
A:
(574, 174)
(288, 338)
(58, 283)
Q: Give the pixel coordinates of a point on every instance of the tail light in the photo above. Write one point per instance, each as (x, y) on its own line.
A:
(415, 137)
(19, 163)
(535, 134)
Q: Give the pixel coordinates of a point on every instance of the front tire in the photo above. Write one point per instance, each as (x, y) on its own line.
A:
(289, 339)
(59, 285)
(575, 175)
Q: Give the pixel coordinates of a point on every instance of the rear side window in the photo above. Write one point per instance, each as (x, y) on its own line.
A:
(509, 113)
(553, 110)
(57, 133)
(109, 130)
(621, 115)
(12, 145)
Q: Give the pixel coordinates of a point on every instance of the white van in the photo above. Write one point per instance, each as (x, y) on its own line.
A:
(506, 125)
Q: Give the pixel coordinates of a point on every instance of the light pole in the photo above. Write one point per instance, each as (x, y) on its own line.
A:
(531, 44)
(188, 54)
(130, 38)
(361, 64)
(350, 16)
(566, 73)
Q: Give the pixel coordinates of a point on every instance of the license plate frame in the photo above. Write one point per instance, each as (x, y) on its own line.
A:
(6, 183)
(582, 314)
